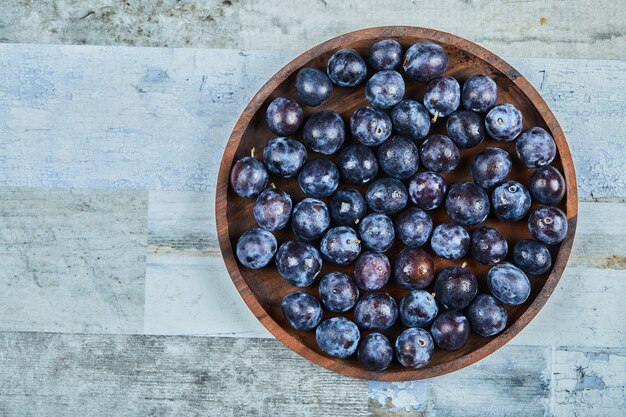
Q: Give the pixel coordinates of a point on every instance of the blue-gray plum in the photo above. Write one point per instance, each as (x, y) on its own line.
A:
(532, 257)
(491, 166)
(488, 246)
(310, 219)
(411, 119)
(376, 231)
(385, 55)
(414, 268)
(372, 271)
(302, 310)
(439, 154)
(486, 315)
(375, 310)
(346, 68)
(284, 156)
(508, 283)
(547, 185)
(298, 262)
(338, 292)
(248, 177)
(340, 245)
(272, 209)
(347, 207)
(424, 61)
(324, 132)
(450, 241)
(465, 128)
(548, 225)
(386, 195)
(338, 337)
(375, 352)
(480, 93)
(256, 248)
(418, 308)
(450, 330)
(455, 287)
(357, 164)
(442, 96)
(398, 157)
(313, 86)
(370, 126)
(385, 89)
(504, 122)
(510, 201)
(413, 227)
(467, 204)
(319, 178)
(284, 116)
(535, 147)
(414, 347)
(427, 190)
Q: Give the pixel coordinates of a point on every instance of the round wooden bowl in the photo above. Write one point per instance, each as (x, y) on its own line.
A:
(263, 289)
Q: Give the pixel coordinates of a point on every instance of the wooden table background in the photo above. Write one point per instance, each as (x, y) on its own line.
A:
(114, 299)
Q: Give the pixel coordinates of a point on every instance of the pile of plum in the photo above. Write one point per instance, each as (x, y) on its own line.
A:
(390, 143)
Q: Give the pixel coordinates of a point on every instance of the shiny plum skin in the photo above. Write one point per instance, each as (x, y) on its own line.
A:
(465, 128)
(248, 177)
(370, 126)
(324, 132)
(479, 93)
(302, 310)
(414, 268)
(532, 257)
(467, 204)
(375, 352)
(450, 241)
(424, 61)
(298, 262)
(272, 209)
(455, 287)
(386, 195)
(347, 207)
(439, 153)
(411, 119)
(338, 337)
(256, 248)
(510, 201)
(399, 157)
(547, 185)
(504, 122)
(548, 225)
(377, 233)
(487, 316)
(313, 86)
(284, 157)
(385, 55)
(413, 227)
(491, 166)
(508, 283)
(319, 178)
(450, 330)
(310, 219)
(338, 292)
(385, 89)
(357, 164)
(346, 68)
(427, 190)
(442, 96)
(375, 310)
(418, 309)
(535, 147)
(340, 245)
(414, 347)
(284, 116)
(488, 246)
(372, 271)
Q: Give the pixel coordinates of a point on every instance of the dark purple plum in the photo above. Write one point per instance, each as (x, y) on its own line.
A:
(450, 330)
(488, 246)
(510, 201)
(439, 153)
(465, 128)
(411, 119)
(375, 310)
(532, 257)
(338, 292)
(427, 190)
(272, 209)
(370, 126)
(385, 89)
(346, 68)
(302, 310)
(338, 337)
(357, 164)
(340, 245)
(284, 156)
(508, 283)
(324, 132)
(548, 225)
(414, 347)
(385, 55)
(284, 116)
(256, 248)
(442, 96)
(418, 308)
(424, 61)
(480, 93)
(450, 241)
(347, 207)
(455, 287)
(487, 316)
(413, 227)
(504, 122)
(375, 352)
(547, 185)
(319, 178)
(376, 231)
(248, 177)
(398, 157)
(386, 195)
(298, 262)
(467, 204)
(414, 268)
(372, 271)
(313, 86)
(310, 219)
(491, 166)
(535, 147)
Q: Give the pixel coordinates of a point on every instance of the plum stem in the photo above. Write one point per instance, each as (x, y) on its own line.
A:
(349, 241)
(431, 297)
(434, 119)
(464, 264)
(356, 221)
(252, 151)
(272, 185)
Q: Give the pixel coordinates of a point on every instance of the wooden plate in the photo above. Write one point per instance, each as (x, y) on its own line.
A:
(263, 290)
